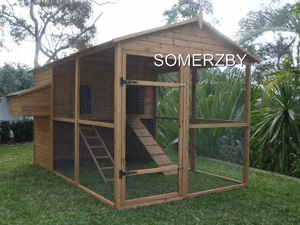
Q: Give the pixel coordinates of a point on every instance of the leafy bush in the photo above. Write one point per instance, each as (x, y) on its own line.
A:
(4, 131)
(22, 129)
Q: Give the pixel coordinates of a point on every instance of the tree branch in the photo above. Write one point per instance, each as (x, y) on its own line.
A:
(52, 16)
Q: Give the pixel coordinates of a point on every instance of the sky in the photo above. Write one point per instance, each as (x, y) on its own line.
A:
(130, 16)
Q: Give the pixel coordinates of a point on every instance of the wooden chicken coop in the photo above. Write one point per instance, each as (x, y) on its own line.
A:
(127, 131)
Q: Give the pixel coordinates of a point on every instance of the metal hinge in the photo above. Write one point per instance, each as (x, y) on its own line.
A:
(180, 167)
(122, 81)
(125, 173)
(182, 85)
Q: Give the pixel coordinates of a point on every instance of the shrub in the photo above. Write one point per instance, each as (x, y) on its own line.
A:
(4, 132)
(22, 129)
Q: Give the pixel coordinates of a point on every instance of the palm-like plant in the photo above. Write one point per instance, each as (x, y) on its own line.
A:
(269, 19)
(276, 132)
(284, 19)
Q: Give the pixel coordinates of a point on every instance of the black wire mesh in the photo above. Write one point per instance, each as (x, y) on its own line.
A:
(219, 155)
(64, 149)
(220, 95)
(97, 87)
(151, 137)
(96, 159)
(64, 90)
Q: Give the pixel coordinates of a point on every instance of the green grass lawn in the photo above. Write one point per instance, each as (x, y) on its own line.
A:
(30, 194)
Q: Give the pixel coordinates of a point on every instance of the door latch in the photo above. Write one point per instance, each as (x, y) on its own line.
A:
(122, 81)
(125, 173)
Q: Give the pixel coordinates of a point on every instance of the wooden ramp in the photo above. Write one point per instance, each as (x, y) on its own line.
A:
(157, 154)
(105, 153)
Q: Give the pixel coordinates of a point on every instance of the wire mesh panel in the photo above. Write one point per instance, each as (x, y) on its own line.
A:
(64, 149)
(219, 159)
(96, 159)
(97, 87)
(143, 69)
(151, 128)
(220, 95)
(64, 90)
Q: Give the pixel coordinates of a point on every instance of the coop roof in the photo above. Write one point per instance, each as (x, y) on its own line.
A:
(28, 91)
(109, 44)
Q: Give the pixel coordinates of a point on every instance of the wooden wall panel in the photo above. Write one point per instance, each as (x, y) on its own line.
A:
(42, 141)
(188, 39)
(42, 78)
(33, 104)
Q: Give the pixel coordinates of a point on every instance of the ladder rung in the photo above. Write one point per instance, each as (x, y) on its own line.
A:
(107, 168)
(102, 157)
(110, 180)
(96, 146)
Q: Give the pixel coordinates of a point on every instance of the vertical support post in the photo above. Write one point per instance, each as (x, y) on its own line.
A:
(51, 120)
(123, 123)
(186, 123)
(247, 129)
(77, 104)
(194, 102)
(180, 131)
(118, 128)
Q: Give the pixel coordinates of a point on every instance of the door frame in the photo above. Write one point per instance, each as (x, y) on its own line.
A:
(183, 135)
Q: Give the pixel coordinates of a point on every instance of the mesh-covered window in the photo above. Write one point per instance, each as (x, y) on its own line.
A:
(219, 158)
(97, 86)
(96, 159)
(64, 149)
(64, 90)
(220, 95)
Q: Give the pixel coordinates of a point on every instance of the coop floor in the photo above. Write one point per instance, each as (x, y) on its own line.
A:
(154, 184)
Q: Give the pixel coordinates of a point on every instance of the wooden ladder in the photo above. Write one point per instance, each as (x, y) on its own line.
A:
(102, 146)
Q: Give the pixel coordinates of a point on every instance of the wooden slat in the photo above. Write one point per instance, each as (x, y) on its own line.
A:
(123, 127)
(157, 199)
(194, 103)
(154, 170)
(155, 84)
(217, 125)
(96, 123)
(151, 198)
(247, 129)
(101, 198)
(185, 148)
(217, 190)
(118, 127)
(77, 116)
(221, 177)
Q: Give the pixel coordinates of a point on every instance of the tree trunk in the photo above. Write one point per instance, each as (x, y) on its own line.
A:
(36, 53)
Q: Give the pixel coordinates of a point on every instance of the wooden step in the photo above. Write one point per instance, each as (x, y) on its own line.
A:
(107, 168)
(101, 157)
(97, 146)
(110, 180)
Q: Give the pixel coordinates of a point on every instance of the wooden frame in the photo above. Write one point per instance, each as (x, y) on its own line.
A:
(188, 37)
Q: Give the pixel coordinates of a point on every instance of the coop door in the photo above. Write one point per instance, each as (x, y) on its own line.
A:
(153, 160)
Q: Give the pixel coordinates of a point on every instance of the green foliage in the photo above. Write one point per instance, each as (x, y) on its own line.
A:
(276, 133)
(22, 129)
(14, 78)
(186, 9)
(32, 195)
(220, 95)
(54, 26)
